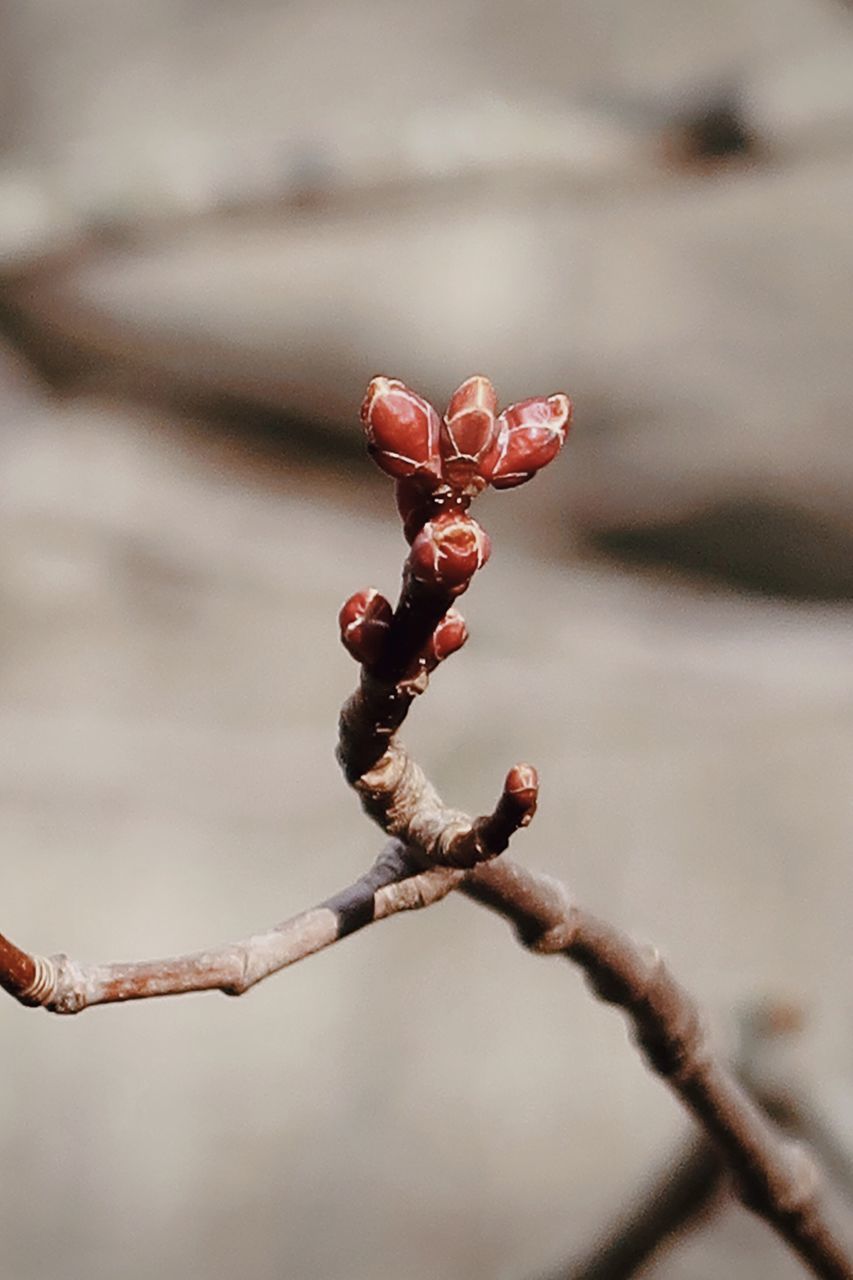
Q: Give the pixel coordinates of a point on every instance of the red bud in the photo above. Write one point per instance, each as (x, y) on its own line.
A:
(469, 435)
(402, 431)
(364, 621)
(530, 434)
(449, 550)
(521, 788)
(450, 635)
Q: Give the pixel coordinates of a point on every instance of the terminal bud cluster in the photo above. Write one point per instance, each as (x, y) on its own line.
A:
(440, 465)
(472, 446)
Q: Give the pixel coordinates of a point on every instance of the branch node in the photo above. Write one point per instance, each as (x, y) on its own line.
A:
(549, 939)
(69, 991)
(40, 990)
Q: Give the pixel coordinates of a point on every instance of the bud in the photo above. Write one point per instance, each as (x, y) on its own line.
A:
(402, 431)
(364, 621)
(448, 551)
(530, 434)
(469, 436)
(521, 789)
(450, 635)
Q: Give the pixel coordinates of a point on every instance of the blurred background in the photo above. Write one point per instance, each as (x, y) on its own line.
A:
(217, 222)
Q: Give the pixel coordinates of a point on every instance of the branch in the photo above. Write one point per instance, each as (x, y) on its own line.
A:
(63, 985)
(398, 650)
(435, 849)
(774, 1177)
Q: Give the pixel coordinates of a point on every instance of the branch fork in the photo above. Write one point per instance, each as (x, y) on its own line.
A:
(440, 466)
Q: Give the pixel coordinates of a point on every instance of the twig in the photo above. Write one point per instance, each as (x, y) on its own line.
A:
(435, 849)
(774, 1177)
(62, 985)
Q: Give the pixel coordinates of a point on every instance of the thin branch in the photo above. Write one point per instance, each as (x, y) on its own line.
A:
(774, 1177)
(435, 849)
(63, 985)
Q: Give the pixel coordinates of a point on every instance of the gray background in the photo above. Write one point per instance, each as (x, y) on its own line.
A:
(216, 223)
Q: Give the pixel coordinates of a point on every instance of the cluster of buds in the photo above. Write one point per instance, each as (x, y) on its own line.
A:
(471, 447)
(439, 465)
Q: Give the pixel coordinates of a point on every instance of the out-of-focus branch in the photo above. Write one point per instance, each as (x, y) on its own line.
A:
(693, 1183)
(688, 1189)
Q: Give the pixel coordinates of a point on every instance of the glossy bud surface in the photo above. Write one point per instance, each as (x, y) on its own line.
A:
(448, 551)
(364, 620)
(469, 435)
(450, 635)
(402, 431)
(530, 434)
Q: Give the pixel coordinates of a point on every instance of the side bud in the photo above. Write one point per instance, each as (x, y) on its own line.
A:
(530, 434)
(402, 431)
(364, 620)
(469, 437)
(448, 551)
(450, 635)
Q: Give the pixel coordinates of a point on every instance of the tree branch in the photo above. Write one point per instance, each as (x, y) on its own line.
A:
(773, 1176)
(63, 985)
(434, 849)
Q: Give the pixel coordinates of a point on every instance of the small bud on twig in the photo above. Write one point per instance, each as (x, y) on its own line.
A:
(448, 551)
(487, 837)
(530, 434)
(402, 431)
(364, 621)
(449, 636)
